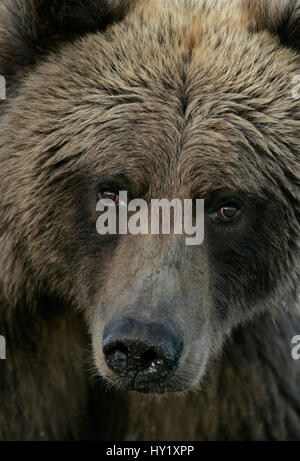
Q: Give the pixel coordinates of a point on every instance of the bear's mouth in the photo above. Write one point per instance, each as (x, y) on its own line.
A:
(140, 384)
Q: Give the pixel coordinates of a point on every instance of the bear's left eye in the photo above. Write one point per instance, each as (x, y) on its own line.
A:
(109, 195)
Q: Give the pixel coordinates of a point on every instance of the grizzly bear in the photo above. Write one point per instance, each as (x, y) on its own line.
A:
(142, 337)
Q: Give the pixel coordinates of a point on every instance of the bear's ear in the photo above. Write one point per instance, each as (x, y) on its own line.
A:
(280, 17)
(29, 28)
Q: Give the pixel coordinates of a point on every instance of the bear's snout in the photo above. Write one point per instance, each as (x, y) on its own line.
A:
(141, 353)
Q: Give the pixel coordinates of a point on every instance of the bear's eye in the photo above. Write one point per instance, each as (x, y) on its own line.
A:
(228, 212)
(109, 195)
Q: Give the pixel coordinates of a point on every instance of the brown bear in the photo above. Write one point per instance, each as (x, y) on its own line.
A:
(143, 337)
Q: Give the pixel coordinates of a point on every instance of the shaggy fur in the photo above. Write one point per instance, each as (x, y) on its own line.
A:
(168, 99)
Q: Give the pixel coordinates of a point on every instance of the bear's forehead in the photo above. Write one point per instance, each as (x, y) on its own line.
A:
(174, 96)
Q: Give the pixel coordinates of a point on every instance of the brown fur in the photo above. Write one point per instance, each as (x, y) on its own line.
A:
(280, 18)
(182, 99)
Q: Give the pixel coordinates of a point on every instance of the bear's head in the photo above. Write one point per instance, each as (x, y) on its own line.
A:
(164, 100)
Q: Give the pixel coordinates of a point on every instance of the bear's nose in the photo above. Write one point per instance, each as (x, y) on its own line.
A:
(141, 353)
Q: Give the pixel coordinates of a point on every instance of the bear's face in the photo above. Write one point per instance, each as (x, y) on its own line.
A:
(168, 104)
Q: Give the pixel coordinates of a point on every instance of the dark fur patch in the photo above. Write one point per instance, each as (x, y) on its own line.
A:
(30, 28)
(280, 17)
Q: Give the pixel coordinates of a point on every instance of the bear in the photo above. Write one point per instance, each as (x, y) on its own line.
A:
(142, 337)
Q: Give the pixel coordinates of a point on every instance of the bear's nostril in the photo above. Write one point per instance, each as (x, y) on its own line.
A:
(135, 356)
(149, 357)
(117, 358)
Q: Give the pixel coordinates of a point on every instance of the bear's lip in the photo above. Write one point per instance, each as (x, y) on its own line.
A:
(151, 388)
(154, 389)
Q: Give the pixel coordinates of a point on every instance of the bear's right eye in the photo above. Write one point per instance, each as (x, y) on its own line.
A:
(228, 212)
